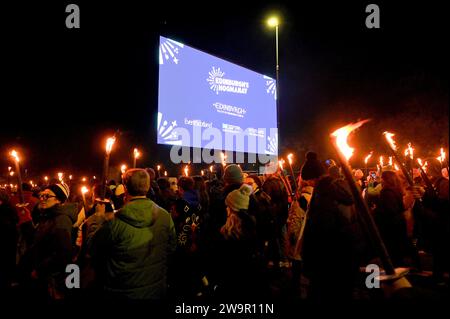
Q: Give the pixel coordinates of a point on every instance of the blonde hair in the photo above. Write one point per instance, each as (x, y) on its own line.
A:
(233, 225)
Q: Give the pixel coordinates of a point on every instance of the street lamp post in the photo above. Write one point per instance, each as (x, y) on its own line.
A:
(274, 22)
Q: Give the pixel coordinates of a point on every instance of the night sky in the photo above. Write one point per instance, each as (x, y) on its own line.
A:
(65, 90)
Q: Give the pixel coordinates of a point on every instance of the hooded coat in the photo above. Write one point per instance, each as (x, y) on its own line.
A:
(131, 251)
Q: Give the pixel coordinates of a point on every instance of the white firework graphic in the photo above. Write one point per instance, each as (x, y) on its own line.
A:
(215, 73)
(271, 87)
(166, 132)
(168, 50)
(272, 145)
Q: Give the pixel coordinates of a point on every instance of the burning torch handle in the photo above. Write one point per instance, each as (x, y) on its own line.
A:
(19, 183)
(104, 177)
(402, 166)
(427, 181)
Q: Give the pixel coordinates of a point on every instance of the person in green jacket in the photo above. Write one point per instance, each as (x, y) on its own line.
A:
(130, 252)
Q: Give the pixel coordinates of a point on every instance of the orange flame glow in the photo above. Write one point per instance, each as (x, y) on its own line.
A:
(158, 167)
(390, 161)
(109, 144)
(84, 190)
(281, 163)
(396, 167)
(381, 161)
(422, 164)
(60, 176)
(211, 168)
(410, 151)
(368, 157)
(441, 158)
(389, 137)
(165, 173)
(123, 168)
(186, 170)
(15, 155)
(341, 135)
(136, 153)
(289, 157)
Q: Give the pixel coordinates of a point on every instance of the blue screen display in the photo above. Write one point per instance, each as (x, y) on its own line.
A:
(199, 94)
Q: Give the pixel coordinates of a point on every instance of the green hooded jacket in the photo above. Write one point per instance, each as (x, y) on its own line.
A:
(130, 252)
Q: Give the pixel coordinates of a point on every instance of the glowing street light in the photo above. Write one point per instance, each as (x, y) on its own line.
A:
(274, 22)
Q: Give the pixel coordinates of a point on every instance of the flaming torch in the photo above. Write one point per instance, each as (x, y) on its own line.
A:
(289, 157)
(123, 168)
(409, 157)
(15, 155)
(158, 168)
(393, 148)
(186, 171)
(423, 174)
(165, 173)
(109, 144)
(211, 169)
(284, 179)
(441, 159)
(136, 155)
(344, 153)
(84, 190)
(366, 160)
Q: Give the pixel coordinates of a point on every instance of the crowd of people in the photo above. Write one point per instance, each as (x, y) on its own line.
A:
(226, 238)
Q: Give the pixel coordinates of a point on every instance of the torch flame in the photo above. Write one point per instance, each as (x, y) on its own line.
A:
(123, 168)
(341, 135)
(45, 178)
(367, 157)
(83, 179)
(410, 151)
(389, 137)
(15, 155)
(211, 168)
(419, 160)
(109, 144)
(186, 170)
(280, 163)
(381, 161)
(201, 172)
(441, 158)
(390, 161)
(136, 153)
(289, 157)
(396, 167)
(158, 167)
(165, 173)
(84, 190)
(60, 175)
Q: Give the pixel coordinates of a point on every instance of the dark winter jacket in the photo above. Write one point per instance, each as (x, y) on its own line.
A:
(331, 233)
(132, 250)
(51, 250)
(391, 221)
